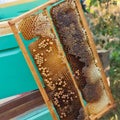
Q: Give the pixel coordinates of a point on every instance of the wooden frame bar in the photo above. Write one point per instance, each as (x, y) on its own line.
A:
(28, 60)
(106, 110)
(32, 11)
(32, 68)
(98, 62)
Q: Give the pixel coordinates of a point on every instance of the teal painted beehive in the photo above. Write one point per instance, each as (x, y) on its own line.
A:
(15, 76)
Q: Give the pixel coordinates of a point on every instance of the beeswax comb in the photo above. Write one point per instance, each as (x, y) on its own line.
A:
(52, 66)
(75, 41)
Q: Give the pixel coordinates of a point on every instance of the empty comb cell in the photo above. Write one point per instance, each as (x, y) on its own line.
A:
(26, 27)
(35, 26)
(75, 43)
(57, 78)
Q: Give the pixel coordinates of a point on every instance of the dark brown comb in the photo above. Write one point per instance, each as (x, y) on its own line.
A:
(79, 54)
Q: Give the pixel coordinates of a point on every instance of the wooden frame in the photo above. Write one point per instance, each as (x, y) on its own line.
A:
(98, 62)
(12, 24)
(29, 62)
(31, 66)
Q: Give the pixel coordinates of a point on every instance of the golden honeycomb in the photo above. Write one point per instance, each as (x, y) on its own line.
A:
(75, 43)
(57, 79)
(35, 26)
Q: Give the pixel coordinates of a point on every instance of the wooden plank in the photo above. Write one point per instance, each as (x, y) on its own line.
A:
(20, 100)
(20, 105)
(20, 109)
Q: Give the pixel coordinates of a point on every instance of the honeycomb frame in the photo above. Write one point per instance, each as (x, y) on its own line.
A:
(82, 57)
(66, 110)
(13, 25)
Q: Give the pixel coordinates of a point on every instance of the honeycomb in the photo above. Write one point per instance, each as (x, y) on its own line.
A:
(26, 27)
(35, 26)
(52, 67)
(43, 26)
(75, 43)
